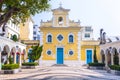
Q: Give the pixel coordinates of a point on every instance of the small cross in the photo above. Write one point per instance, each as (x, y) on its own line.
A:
(60, 4)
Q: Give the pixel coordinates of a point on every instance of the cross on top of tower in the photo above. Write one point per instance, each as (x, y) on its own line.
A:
(60, 4)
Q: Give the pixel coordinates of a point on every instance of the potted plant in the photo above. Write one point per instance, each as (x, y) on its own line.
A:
(99, 66)
(29, 65)
(115, 69)
(10, 68)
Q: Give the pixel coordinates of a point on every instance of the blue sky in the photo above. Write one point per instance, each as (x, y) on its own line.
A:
(96, 13)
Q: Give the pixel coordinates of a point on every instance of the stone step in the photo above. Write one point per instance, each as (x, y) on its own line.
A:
(60, 65)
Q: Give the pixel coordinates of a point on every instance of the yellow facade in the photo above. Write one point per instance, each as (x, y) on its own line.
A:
(67, 46)
(90, 45)
(62, 25)
(26, 30)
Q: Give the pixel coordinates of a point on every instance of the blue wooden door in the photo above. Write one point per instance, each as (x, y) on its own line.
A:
(59, 55)
(89, 56)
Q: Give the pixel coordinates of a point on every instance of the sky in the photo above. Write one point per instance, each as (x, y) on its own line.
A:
(96, 13)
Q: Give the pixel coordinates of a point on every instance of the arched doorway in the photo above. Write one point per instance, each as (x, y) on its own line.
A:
(4, 54)
(102, 56)
(18, 54)
(115, 56)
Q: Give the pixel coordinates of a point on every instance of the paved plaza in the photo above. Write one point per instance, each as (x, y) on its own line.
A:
(60, 73)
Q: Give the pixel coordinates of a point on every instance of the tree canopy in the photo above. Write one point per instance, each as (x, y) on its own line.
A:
(19, 10)
(35, 53)
(95, 56)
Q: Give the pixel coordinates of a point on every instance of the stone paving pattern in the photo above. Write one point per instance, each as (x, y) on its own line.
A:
(60, 73)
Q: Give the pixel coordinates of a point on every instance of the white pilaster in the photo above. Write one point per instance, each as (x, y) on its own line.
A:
(79, 46)
(67, 20)
(41, 38)
(53, 21)
(20, 63)
(112, 59)
(15, 58)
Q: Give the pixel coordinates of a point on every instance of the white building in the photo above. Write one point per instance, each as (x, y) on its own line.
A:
(8, 47)
(10, 30)
(36, 33)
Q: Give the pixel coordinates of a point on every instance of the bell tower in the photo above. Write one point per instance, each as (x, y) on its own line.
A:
(60, 17)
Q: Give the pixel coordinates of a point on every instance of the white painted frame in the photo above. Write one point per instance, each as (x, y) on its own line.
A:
(49, 50)
(57, 38)
(56, 53)
(69, 51)
(47, 37)
(86, 54)
(68, 37)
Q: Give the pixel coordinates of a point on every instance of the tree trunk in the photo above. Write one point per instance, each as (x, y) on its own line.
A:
(5, 17)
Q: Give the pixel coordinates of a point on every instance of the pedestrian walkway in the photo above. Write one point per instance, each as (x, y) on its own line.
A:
(60, 73)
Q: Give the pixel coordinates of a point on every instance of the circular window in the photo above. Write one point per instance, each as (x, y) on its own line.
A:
(60, 37)
(70, 52)
(49, 52)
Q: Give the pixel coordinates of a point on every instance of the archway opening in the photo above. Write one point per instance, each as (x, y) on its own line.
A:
(115, 57)
(4, 54)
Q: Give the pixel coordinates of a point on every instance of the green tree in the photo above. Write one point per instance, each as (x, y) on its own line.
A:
(14, 38)
(35, 53)
(95, 56)
(19, 10)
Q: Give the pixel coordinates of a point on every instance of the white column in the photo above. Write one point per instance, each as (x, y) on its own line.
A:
(119, 57)
(20, 59)
(15, 58)
(8, 55)
(0, 61)
(112, 59)
(106, 61)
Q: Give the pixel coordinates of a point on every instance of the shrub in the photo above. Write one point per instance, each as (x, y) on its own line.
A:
(96, 64)
(35, 53)
(30, 64)
(14, 38)
(10, 66)
(115, 67)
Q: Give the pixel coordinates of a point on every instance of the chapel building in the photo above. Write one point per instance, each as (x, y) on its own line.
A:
(66, 41)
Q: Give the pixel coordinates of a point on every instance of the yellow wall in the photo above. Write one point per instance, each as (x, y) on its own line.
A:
(24, 31)
(64, 42)
(83, 51)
